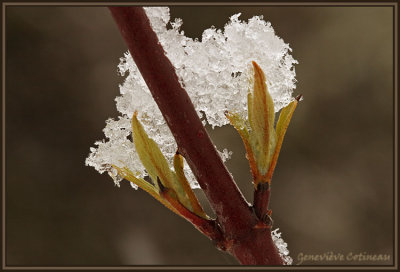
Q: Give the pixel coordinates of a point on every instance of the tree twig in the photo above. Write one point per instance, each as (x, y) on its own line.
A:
(192, 139)
(249, 244)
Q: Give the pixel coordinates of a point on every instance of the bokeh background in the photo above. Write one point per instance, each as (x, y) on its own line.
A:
(333, 186)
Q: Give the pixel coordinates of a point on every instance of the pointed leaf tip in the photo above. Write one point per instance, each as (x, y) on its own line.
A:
(299, 97)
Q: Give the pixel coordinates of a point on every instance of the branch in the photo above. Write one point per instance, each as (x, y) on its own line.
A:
(232, 211)
(244, 235)
(261, 201)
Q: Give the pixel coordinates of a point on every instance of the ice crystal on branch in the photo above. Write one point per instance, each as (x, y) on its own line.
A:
(215, 71)
(282, 247)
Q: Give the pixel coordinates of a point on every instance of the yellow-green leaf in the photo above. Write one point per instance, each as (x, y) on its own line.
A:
(184, 184)
(281, 127)
(284, 119)
(261, 118)
(150, 155)
(128, 175)
(155, 162)
(144, 185)
(240, 125)
(190, 200)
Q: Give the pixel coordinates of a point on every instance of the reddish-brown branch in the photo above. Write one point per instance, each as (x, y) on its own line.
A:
(193, 141)
(208, 227)
(248, 244)
(261, 201)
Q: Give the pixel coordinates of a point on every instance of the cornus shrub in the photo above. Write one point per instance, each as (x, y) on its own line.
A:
(241, 76)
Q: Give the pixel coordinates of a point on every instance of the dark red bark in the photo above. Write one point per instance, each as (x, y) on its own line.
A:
(261, 200)
(238, 222)
(257, 248)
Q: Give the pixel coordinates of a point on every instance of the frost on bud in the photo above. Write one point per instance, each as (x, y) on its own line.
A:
(215, 71)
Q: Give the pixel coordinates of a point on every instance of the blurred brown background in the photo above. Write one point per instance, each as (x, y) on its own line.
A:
(333, 186)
